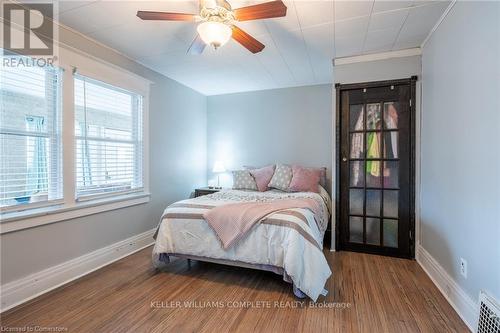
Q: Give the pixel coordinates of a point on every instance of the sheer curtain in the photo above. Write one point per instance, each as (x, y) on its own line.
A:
(37, 173)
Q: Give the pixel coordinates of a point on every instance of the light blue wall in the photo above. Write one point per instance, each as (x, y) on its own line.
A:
(292, 125)
(379, 70)
(460, 205)
(177, 165)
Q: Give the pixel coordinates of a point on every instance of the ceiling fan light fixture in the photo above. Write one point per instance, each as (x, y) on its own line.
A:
(218, 22)
(214, 33)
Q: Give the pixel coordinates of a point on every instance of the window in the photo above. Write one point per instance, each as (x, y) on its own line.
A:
(70, 144)
(30, 137)
(109, 139)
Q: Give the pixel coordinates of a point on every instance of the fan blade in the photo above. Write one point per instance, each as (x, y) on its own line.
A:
(164, 16)
(197, 46)
(252, 44)
(261, 11)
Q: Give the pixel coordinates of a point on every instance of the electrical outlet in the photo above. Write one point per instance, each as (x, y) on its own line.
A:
(463, 267)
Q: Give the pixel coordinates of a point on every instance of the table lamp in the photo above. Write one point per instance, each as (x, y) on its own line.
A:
(218, 169)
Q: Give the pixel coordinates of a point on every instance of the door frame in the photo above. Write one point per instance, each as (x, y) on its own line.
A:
(413, 113)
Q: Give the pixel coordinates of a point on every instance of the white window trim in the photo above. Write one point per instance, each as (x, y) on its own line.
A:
(70, 207)
(5, 211)
(14, 221)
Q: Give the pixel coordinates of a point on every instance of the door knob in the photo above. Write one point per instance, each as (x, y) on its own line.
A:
(344, 159)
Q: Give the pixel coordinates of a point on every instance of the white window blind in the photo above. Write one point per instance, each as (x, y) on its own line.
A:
(30, 137)
(109, 139)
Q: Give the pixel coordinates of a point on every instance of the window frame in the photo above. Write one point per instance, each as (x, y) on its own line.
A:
(71, 60)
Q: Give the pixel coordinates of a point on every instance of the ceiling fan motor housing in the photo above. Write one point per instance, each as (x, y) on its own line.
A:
(217, 14)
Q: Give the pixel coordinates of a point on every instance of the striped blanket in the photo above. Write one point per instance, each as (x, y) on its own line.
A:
(290, 240)
(232, 222)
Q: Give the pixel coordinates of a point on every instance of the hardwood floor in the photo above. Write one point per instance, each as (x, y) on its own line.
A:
(368, 293)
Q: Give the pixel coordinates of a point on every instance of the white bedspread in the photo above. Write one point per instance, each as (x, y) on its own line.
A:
(291, 239)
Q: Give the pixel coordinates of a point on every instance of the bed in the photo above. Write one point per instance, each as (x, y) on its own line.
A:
(288, 242)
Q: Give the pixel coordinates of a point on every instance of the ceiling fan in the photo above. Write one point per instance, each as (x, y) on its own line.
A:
(217, 22)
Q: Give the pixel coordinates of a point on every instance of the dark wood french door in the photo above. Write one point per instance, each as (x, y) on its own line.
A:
(375, 167)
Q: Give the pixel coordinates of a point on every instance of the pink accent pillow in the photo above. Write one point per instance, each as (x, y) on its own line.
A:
(263, 176)
(322, 175)
(304, 179)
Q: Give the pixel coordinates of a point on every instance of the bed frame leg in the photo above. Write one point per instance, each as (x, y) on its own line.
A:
(189, 263)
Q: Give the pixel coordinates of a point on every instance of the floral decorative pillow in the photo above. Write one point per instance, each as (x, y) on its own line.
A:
(281, 178)
(243, 180)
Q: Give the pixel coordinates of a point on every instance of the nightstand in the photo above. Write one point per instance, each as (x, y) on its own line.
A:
(204, 191)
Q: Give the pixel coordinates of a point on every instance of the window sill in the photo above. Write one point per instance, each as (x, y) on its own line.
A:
(15, 221)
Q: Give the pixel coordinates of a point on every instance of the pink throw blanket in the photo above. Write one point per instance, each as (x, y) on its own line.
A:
(233, 221)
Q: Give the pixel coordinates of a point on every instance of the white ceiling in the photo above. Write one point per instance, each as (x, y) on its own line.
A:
(299, 47)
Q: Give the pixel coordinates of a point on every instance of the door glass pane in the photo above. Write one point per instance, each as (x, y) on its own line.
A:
(391, 203)
(357, 177)
(355, 229)
(357, 145)
(391, 115)
(356, 117)
(391, 233)
(373, 173)
(391, 171)
(391, 144)
(373, 144)
(372, 231)
(356, 199)
(373, 202)
(373, 117)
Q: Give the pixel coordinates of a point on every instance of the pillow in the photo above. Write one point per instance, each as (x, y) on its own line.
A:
(243, 180)
(282, 177)
(304, 179)
(263, 176)
(322, 175)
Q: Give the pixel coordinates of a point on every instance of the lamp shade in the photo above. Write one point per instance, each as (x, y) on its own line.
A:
(219, 167)
(214, 33)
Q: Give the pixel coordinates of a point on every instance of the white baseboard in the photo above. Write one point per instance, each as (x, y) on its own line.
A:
(31, 286)
(466, 308)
